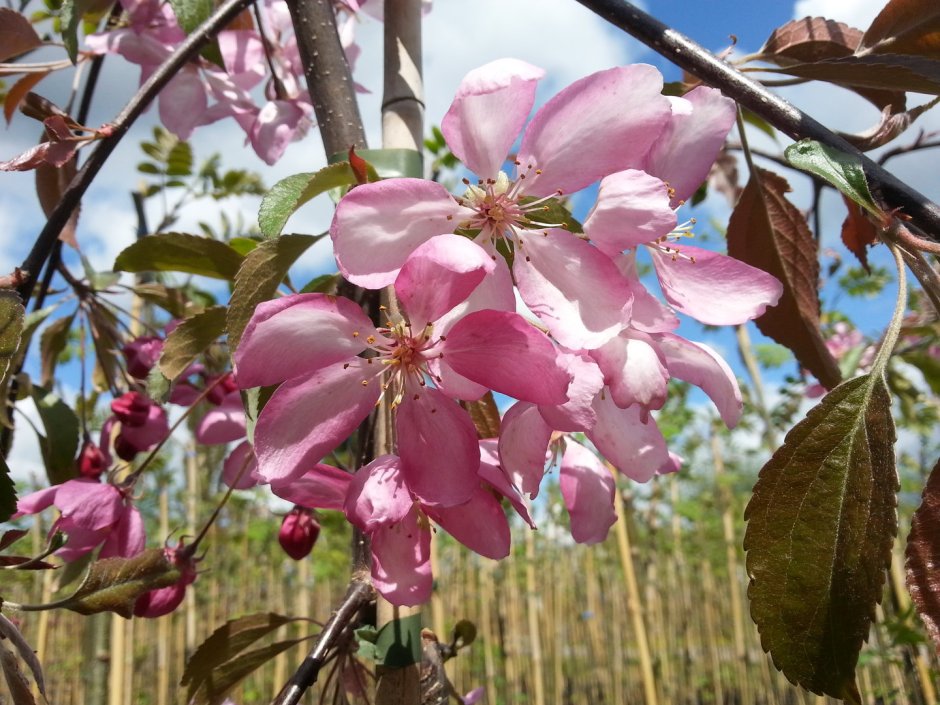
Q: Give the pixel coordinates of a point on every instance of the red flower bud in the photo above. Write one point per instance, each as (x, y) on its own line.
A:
(91, 461)
(299, 532)
(221, 388)
(131, 409)
(162, 601)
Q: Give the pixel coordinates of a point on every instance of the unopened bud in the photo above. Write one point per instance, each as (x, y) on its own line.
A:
(91, 461)
(162, 601)
(299, 532)
(131, 409)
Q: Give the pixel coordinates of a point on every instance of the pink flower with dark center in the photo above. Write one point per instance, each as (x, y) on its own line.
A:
(601, 124)
(141, 354)
(314, 341)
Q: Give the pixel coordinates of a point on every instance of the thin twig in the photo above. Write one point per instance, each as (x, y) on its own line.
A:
(692, 57)
(122, 123)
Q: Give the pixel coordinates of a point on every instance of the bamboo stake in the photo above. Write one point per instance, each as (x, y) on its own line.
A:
(633, 597)
(116, 671)
(163, 625)
(485, 581)
(532, 615)
(192, 517)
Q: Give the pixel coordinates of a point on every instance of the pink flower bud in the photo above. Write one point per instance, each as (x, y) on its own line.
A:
(162, 601)
(131, 409)
(141, 355)
(91, 461)
(221, 389)
(299, 532)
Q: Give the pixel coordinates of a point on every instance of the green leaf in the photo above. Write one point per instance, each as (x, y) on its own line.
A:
(114, 584)
(226, 642)
(243, 245)
(260, 275)
(60, 444)
(99, 280)
(553, 213)
(214, 690)
(398, 643)
(180, 252)
(820, 528)
(12, 318)
(51, 344)
(289, 194)
(189, 339)
(323, 284)
(158, 385)
(844, 171)
(7, 492)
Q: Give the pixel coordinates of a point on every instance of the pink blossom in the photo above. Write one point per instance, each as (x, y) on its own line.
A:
(604, 123)
(92, 513)
(313, 341)
(141, 354)
(141, 425)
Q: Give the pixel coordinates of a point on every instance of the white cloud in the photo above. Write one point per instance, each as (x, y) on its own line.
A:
(855, 13)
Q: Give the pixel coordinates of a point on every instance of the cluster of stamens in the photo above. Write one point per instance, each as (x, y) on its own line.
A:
(401, 356)
(499, 210)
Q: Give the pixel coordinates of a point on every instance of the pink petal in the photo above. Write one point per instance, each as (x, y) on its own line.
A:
(274, 128)
(492, 473)
(377, 495)
(633, 369)
(224, 423)
(478, 524)
(35, 502)
(603, 123)
(401, 561)
(454, 385)
(437, 443)
(183, 102)
(308, 417)
(80, 541)
(587, 488)
(494, 292)
(243, 55)
(242, 456)
(89, 504)
(648, 314)
(376, 226)
(576, 414)
(713, 288)
(154, 430)
(128, 537)
(488, 112)
(635, 448)
(297, 335)
(523, 447)
(698, 364)
(439, 274)
(572, 287)
(689, 144)
(503, 352)
(322, 487)
(632, 209)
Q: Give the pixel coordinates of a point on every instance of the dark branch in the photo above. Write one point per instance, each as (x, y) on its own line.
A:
(357, 596)
(76, 189)
(690, 56)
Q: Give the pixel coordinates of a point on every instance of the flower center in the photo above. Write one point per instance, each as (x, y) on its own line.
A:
(501, 207)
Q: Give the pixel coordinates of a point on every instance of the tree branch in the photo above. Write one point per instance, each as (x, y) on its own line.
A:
(698, 61)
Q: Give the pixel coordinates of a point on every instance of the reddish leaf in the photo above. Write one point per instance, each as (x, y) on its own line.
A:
(905, 27)
(923, 557)
(813, 39)
(858, 232)
(9, 631)
(810, 39)
(881, 71)
(8, 538)
(20, 560)
(359, 166)
(891, 125)
(16, 681)
(768, 232)
(16, 34)
(19, 90)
